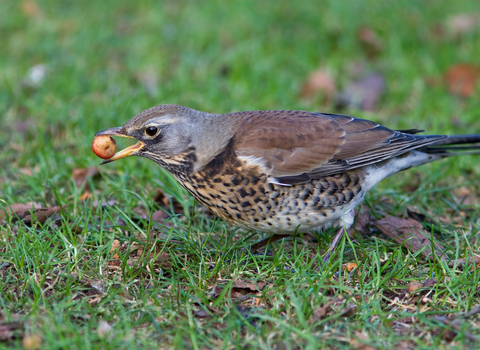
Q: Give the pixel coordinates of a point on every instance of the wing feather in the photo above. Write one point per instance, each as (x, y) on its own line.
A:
(297, 146)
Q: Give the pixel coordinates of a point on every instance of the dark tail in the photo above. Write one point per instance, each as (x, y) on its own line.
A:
(472, 141)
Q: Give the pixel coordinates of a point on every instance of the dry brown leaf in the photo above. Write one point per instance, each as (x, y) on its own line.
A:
(240, 289)
(462, 79)
(116, 262)
(240, 284)
(319, 82)
(410, 233)
(115, 245)
(413, 286)
(103, 329)
(359, 342)
(164, 260)
(164, 201)
(31, 212)
(321, 312)
(464, 261)
(369, 41)
(86, 195)
(428, 283)
(109, 203)
(19, 209)
(363, 94)
(406, 344)
(10, 330)
(159, 216)
(30, 8)
(202, 313)
(462, 23)
(26, 171)
(349, 311)
(161, 198)
(362, 222)
(419, 217)
(349, 267)
(42, 215)
(81, 175)
(466, 196)
(32, 342)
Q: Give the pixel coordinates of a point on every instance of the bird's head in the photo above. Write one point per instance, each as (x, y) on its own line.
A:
(165, 133)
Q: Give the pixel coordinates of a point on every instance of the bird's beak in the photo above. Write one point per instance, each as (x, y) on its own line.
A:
(129, 151)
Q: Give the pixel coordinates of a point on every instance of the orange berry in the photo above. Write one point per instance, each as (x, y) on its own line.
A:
(104, 146)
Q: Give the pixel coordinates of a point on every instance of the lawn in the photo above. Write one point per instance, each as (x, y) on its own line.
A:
(129, 260)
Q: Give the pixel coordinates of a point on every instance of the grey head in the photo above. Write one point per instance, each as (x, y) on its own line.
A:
(169, 133)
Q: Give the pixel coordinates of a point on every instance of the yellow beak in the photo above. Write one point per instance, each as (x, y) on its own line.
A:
(129, 151)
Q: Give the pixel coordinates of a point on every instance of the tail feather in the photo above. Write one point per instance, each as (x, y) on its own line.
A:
(447, 151)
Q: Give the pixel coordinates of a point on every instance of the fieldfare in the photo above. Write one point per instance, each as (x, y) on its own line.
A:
(280, 172)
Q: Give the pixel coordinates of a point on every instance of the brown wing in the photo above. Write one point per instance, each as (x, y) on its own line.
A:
(296, 146)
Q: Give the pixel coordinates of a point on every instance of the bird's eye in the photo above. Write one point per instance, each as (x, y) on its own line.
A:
(151, 131)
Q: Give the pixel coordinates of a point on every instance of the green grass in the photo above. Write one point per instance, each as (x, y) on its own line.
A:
(107, 61)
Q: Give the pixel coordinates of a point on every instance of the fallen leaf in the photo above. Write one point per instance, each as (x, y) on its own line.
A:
(42, 215)
(30, 8)
(115, 246)
(161, 198)
(319, 82)
(462, 23)
(349, 311)
(321, 312)
(103, 329)
(35, 76)
(202, 313)
(464, 261)
(32, 342)
(240, 289)
(462, 79)
(363, 94)
(164, 200)
(86, 195)
(81, 175)
(30, 213)
(10, 330)
(413, 286)
(369, 41)
(362, 222)
(26, 171)
(419, 217)
(19, 209)
(253, 287)
(359, 342)
(349, 267)
(430, 282)
(141, 212)
(159, 216)
(164, 260)
(465, 196)
(410, 233)
(109, 203)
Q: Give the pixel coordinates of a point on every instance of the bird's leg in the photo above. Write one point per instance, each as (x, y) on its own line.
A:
(266, 241)
(333, 245)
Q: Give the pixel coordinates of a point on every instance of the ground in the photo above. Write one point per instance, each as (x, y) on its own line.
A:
(123, 258)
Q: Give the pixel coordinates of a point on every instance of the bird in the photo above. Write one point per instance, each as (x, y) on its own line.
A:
(280, 172)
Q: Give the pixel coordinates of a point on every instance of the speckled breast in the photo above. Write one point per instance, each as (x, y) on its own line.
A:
(243, 197)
